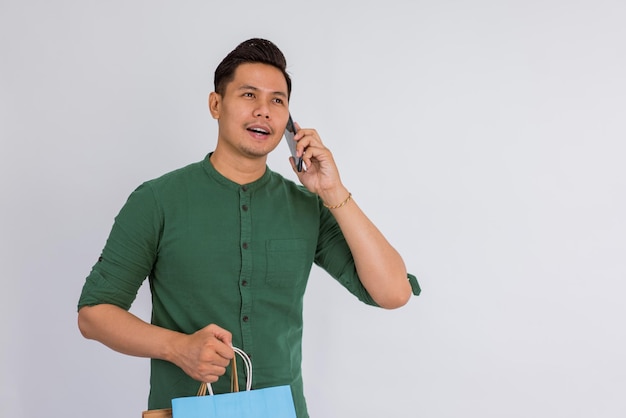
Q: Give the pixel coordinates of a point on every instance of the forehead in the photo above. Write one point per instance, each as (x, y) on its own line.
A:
(263, 77)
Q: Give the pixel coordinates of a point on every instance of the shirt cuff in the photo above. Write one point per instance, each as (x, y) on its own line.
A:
(415, 287)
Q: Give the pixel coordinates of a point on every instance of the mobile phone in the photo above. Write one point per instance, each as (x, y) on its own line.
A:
(290, 132)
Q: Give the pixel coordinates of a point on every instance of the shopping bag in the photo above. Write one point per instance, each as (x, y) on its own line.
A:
(272, 402)
(157, 413)
(167, 412)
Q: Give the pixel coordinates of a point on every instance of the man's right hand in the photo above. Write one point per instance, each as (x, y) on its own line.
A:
(205, 354)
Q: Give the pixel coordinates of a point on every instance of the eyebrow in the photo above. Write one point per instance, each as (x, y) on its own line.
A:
(249, 87)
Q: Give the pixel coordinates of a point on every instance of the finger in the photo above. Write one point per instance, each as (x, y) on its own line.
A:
(208, 379)
(292, 161)
(308, 142)
(311, 152)
(307, 156)
(225, 351)
(223, 341)
(221, 334)
(308, 133)
(299, 133)
(294, 167)
(211, 376)
(212, 370)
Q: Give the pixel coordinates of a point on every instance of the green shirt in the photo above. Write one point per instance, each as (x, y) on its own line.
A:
(238, 256)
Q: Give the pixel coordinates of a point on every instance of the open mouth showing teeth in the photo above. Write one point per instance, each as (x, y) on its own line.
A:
(258, 131)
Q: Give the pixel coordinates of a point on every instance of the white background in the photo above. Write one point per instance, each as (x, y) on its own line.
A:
(486, 139)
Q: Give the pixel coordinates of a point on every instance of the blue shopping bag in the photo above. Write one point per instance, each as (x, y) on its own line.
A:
(272, 402)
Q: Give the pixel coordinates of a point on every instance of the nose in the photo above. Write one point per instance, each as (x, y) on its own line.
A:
(262, 111)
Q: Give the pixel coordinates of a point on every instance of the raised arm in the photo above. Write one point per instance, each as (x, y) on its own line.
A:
(380, 267)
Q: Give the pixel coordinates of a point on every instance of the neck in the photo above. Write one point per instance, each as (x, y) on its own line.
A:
(238, 168)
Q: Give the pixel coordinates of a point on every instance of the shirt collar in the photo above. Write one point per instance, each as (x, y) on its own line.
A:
(214, 174)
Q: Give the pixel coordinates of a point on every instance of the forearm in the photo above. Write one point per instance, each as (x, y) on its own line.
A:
(379, 266)
(203, 355)
(124, 332)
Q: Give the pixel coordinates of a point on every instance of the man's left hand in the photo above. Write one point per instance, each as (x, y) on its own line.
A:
(320, 175)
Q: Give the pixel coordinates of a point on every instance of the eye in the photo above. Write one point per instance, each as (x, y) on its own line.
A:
(248, 94)
(278, 100)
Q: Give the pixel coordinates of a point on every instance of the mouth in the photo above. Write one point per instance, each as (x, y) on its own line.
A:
(259, 131)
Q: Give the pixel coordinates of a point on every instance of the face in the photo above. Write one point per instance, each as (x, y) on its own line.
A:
(253, 112)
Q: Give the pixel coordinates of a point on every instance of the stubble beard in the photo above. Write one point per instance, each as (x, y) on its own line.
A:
(257, 152)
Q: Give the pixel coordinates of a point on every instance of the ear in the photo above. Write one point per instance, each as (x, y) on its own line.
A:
(215, 104)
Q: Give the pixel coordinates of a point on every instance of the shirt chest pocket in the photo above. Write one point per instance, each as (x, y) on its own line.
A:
(288, 262)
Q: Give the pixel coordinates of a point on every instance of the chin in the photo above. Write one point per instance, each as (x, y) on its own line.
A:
(258, 152)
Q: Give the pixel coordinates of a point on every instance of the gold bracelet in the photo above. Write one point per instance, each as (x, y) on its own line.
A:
(341, 204)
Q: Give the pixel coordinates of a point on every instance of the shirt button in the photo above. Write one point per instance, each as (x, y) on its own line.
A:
(245, 318)
(245, 245)
(244, 207)
(244, 283)
(244, 188)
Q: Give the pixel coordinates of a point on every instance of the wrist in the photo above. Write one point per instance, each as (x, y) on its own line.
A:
(336, 198)
(173, 347)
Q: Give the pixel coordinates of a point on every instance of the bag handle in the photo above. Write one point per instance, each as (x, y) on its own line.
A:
(234, 381)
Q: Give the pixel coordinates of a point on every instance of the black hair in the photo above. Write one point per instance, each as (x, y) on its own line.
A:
(253, 50)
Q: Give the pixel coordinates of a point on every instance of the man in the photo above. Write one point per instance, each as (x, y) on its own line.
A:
(228, 246)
